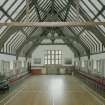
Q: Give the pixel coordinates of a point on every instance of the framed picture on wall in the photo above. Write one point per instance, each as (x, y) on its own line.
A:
(68, 61)
(37, 61)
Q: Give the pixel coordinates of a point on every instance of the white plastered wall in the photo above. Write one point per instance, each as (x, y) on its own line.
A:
(40, 51)
(7, 57)
(95, 57)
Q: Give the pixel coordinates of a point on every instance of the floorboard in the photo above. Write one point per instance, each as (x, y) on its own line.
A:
(52, 90)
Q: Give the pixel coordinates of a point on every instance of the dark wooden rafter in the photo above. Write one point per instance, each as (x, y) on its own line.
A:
(71, 46)
(61, 33)
(25, 42)
(10, 7)
(37, 9)
(40, 7)
(76, 36)
(63, 9)
(67, 10)
(52, 7)
(52, 24)
(5, 13)
(27, 10)
(83, 14)
(85, 17)
(77, 40)
(20, 29)
(11, 30)
(36, 43)
(14, 29)
(98, 34)
(20, 48)
(33, 32)
(77, 9)
(10, 43)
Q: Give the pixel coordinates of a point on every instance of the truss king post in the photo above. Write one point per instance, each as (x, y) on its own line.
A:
(78, 8)
(27, 10)
(89, 57)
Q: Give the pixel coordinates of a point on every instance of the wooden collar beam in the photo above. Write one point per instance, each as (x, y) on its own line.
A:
(51, 24)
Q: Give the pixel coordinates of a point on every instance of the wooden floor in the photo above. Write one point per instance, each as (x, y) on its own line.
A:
(51, 90)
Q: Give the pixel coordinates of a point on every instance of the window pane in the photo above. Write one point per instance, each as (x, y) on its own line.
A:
(60, 56)
(1, 13)
(101, 18)
(57, 57)
(86, 9)
(97, 4)
(103, 13)
(49, 57)
(52, 61)
(17, 11)
(102, 27)
(60, 52)
(91, 6)
(2, 29)
(48, 61)
(57, 52)
(45, 57)
(5, 18)
(18, 2)
(103, 1)
(52, 52)
(45, 62)
(52, 56)
(8, 4)
(56, 62)
(48, 52)
(1, 2)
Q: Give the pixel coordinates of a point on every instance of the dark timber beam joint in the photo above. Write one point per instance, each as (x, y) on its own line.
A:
(67, 11)
(37, 9)
(52, 7)
(36, 42)
(70, 45)
(77, 40)
(27, 10)
(31, 34)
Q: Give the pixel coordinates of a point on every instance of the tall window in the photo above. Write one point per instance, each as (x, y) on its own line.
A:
(53, 57)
